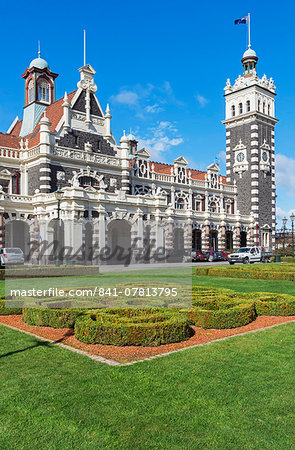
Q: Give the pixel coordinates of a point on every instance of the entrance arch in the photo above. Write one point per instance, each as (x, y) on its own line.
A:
(229, 242)
(178, 245)
(243, 239)
(17, 234)
(197, 240)
(119, 241)
(213, 240)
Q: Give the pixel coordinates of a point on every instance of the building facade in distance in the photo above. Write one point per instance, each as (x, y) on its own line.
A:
(113, 196)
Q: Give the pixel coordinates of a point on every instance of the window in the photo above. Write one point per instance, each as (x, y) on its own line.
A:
(233, 110)
(180, 203)
(228, 208)
(198, 205)
(43, 91)
(241, 108)
(31, 91)
(259, 105)
(248, 105)
(263, 108)
(268, 111)
(88, 181)
(213, 207)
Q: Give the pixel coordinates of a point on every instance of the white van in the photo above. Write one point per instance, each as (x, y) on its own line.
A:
(246, 255)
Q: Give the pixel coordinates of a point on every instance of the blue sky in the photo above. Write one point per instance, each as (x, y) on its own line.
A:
(162, 66)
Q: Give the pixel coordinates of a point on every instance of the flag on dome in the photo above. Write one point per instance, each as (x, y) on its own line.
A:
(243, 20)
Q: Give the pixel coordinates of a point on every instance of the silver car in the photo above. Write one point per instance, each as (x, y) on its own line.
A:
(11, 256)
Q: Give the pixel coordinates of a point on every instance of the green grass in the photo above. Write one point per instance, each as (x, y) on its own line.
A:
(247, 285)
(235, 394)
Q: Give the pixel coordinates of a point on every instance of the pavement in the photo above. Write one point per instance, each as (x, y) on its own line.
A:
(131, 267)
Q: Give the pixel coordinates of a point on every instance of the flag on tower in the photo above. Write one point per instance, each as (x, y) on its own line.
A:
(243, 20)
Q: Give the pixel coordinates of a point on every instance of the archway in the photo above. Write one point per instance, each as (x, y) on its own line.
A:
(88, 242)
(243, 239)
(119, 242)
(229, 240)
(213, 240)
(178, 245)
(55, 241)
(197, 240)
(17, 234)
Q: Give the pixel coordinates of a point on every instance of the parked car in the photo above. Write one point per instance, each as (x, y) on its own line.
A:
(246, 255)
(217, 256)
(199, 256)
(225, 256)
(11, 256)
(202, 256)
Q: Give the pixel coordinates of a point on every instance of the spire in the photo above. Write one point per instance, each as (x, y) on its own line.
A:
(39, 50)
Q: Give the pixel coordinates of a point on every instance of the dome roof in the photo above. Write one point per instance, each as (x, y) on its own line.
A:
(39, 63)
(249, 53)
(131, 137)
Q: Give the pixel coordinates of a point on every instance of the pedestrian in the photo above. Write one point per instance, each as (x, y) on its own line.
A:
(211, 253)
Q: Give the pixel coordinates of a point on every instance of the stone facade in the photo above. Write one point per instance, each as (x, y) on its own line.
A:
(114, 196)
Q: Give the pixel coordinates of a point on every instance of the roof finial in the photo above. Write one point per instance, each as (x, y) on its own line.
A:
(39, 51)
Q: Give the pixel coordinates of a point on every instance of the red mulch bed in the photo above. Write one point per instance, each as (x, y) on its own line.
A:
(126, 354)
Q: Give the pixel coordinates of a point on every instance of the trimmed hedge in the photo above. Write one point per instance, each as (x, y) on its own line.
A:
(48, 317)
(270, 304)
(284, 272)
(226, 312)
(8, 307)
(143, 326)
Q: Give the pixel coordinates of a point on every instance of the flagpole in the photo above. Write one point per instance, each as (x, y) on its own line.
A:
(84, 47)
(249, 31)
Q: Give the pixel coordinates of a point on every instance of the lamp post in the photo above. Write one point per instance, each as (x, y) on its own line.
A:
(58, 195)
(292, 217)
(284, 220)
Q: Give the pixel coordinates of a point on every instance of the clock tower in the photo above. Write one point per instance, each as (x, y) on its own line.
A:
(250, 160)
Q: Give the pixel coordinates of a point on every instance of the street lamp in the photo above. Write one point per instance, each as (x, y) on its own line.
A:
(284, 220)
(58, 195)
(292, 217)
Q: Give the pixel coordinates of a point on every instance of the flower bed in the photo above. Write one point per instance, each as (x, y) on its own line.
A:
(143, 326)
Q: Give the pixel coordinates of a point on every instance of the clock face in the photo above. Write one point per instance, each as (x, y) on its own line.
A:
(264, 156)
(240, 157)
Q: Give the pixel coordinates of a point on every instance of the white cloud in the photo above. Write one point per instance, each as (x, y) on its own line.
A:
(285, 173)
(126, 97)
(164, 136)
(222, 156)
(146, 99)
(153, 108)
(201, 100)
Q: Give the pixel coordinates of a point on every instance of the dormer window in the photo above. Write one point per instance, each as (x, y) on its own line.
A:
(31, 91)
(43, 91)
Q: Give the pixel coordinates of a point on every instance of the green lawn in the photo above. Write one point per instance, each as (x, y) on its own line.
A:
(247, 285)
(235, 394)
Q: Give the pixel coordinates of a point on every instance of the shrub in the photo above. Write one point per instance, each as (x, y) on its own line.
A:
(270, 304)
(8, 307)
(222, 312)
(48, 317)
(275, 272)
(142, 326)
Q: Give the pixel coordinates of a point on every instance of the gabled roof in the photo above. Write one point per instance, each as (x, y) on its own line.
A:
(54, 113)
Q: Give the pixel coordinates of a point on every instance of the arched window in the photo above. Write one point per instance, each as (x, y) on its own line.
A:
(241, 108)
(213, 207)
(43, 91)
(88, 181)
(180, 203)
(248, 105)
(259, 105)
(268, 110)
(233, 110)
(31, 91)
(263, 108)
